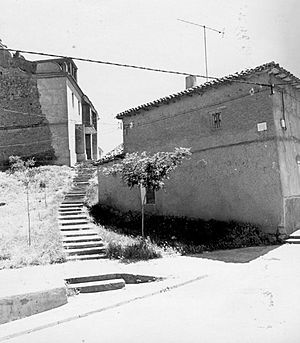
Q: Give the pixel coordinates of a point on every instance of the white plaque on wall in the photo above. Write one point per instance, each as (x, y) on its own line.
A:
(262, 126)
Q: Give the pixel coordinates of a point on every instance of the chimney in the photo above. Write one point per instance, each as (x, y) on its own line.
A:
(190, 81)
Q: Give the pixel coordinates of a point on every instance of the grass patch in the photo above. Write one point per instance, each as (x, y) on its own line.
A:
(185, 235)
(46, 191)
(128, 247)
(139, 250)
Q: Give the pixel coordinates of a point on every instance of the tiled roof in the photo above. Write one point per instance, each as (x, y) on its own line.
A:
(275, 69)
(115, 154)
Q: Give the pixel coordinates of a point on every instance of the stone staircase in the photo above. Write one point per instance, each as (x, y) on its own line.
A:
(79, 240)
(82, 242)
(294, 238)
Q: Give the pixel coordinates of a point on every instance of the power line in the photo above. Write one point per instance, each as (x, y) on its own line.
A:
(105, 62)
(133, 66)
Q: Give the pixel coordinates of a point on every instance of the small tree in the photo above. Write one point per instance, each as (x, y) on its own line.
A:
(148, 171)
(24, 168)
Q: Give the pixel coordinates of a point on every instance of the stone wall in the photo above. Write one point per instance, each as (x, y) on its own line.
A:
(24, 130)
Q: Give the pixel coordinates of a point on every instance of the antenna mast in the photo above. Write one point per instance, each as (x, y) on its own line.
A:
(205, 40)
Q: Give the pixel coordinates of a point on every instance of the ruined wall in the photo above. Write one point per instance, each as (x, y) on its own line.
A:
(234, 170)
(24, 130)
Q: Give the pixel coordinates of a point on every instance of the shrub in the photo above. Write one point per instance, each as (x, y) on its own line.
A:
(141, 249)
(186, 235)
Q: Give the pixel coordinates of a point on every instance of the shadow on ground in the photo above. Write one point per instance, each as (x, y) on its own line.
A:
(242, 255)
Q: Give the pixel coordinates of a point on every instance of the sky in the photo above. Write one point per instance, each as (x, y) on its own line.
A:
(148, 33)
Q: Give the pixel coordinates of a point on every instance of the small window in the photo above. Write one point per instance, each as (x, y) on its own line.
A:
(72, 99)
(150, 196)
(216, 120)
(78, 107)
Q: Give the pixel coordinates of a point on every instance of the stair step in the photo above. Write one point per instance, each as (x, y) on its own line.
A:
(69, 213)
(72, 202)
(72, 216)
(83, 245)
(98, 286)
(68, 195)
(78, 233)
(292, 241)
(86, 251)
(82, 238)
(74, 222)
(85, 257)
(70, 205)
(70, 209)
(76, 228)
(295, 234)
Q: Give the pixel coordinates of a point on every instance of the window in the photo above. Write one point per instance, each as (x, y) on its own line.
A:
(150, 196)
(72, 99)
(216, 120)
(78, 107)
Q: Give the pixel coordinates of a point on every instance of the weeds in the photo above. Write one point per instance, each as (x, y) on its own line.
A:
(141, 249)
(45, 237)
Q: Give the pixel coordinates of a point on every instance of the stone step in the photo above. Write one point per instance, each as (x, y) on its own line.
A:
(86, 251)
(69, 209)
(70, 212)
(78, 189)
(98, 286)
(78, 233)
(128, 278)
(74, 195)
(70, 205)
(85, 257)
(85, 226)
(76, 228)
(293, 240)
(72, 202)
(83, 245)
(81, 183)
(81, 238)
(74, 222)
(295, 234)
(73, 216)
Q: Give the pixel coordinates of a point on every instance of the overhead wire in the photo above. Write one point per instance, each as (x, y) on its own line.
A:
(125, 65)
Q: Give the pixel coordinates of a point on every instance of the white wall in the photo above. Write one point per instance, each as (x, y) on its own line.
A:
(74, 117)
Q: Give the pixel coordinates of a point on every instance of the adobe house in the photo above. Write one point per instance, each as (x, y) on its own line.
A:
(244, 134)
(72, 117)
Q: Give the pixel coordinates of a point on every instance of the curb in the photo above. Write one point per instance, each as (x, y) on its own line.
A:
(24, 305)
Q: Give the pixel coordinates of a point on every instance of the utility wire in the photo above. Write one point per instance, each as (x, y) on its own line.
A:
(132, 66)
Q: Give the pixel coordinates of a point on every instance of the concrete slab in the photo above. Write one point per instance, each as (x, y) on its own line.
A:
(24, 305)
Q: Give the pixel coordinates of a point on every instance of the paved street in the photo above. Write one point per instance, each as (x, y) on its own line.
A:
(220, 302)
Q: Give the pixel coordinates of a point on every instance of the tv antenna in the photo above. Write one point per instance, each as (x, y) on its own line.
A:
(204, 36)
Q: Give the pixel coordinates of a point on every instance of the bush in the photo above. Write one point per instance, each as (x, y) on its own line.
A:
(142, 249)
(186, 235)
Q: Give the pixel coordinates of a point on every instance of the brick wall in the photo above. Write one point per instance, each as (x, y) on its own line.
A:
(24, 129)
